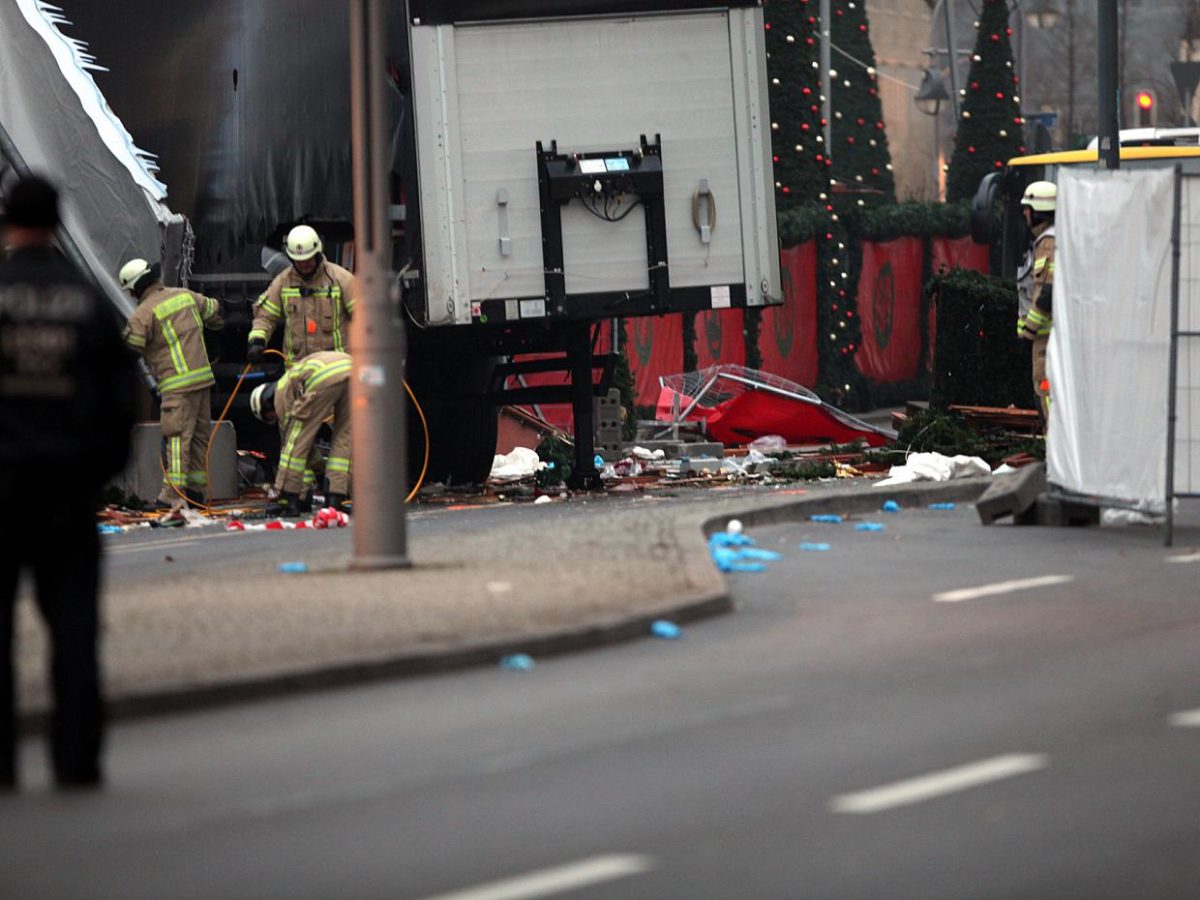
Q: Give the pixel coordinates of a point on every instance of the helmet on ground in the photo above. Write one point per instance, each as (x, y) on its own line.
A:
(303, 243)
(262, 400)
(1041, 196)
(133, 272)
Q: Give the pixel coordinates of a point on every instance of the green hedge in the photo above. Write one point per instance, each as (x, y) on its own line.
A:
(979, 360)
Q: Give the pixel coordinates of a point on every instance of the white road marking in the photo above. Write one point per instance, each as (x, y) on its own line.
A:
(546, 882)
(1000, 587)
(156, 545)
(937, 784)
(1188, 719)
(1184, 558)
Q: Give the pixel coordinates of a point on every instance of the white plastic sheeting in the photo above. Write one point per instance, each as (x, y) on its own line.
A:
(1187, 391)
(1109, 351)
(61, 126)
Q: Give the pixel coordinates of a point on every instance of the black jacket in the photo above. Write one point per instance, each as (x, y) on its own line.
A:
(67, 381)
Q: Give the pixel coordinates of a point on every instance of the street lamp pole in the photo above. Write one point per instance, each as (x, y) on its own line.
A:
(376, 333)
(948, 15)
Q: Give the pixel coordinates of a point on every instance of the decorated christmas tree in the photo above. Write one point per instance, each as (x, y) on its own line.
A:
(990, 124)
(793, 51)
(862, 163)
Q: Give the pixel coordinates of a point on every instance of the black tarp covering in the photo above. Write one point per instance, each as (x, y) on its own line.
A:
(245, 102)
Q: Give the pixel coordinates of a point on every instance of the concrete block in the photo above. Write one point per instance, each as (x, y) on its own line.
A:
(1011, 495)
(143, 476)
(607, 411)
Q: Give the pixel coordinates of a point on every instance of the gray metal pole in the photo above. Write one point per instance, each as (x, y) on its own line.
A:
(948, 15)
(826, 78)
(1107, 51)
(1173, 365)
(376, 333)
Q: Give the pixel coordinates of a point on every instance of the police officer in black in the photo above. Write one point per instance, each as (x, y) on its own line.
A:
(67, 387)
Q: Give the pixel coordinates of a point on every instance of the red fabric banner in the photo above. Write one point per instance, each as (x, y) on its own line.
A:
(889, 309)
(787, 339)
(655, 349)
(948, 253)
(720, 338)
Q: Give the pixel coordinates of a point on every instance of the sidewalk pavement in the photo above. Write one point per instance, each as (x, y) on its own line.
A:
(541, 587)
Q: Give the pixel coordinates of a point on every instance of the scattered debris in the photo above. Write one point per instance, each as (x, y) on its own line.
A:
(826, 518)
(935, 467)
(814, 546)
(544, 498)
(870, 526)
(293, 568)
(668, 631)
(941, 506)
(891, 506)
(520, 462)
(517, 662)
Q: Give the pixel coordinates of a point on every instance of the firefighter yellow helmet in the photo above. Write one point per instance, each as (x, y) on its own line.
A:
(262, 400)
(1041, 196)
(303, 243)
(132, 272)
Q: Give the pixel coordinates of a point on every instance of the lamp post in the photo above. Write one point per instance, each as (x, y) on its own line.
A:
(1038, 14)
(929, 98)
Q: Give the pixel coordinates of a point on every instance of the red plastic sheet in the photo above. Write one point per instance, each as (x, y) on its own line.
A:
(655, 349)
(787, 339)
(949, 253)
(753, 414)
(889, 306)
(719, 338)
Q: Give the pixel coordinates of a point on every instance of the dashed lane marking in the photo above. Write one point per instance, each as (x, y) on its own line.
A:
(1000, 587)
(938, 784)
(1187, 719)
(157, 545)
(1184, 558)
(557, 880)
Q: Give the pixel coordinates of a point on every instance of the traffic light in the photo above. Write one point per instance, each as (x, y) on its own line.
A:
(1144, 101)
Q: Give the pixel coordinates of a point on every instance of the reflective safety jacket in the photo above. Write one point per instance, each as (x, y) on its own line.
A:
(315, 312)
(1035, 281)
(315, 373)
(168, 329)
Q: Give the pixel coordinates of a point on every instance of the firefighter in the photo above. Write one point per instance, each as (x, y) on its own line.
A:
(313, 300)
(67, 397)
(167, 328)
(1035, 282)
(307, 394)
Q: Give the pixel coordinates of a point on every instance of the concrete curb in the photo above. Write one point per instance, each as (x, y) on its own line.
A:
(710, 597)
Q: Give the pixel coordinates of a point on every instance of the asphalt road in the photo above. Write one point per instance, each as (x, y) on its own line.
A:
(892, 717)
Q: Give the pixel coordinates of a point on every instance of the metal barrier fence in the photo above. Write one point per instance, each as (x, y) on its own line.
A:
(1183, 423)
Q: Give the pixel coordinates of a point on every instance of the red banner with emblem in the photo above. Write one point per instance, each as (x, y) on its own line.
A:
(889, 309)
(720, 338)
(655, 349)
(787, 339)
(949, 253)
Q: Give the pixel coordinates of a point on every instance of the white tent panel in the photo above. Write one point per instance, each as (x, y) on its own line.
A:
(1109, 351)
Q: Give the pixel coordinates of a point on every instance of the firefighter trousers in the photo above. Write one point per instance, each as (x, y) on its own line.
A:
(299, 432)
(186, 420)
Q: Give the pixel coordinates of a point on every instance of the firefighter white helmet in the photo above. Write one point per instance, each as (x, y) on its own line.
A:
(1041, 196)
(303, 243)
(132, 272)
(262, 400)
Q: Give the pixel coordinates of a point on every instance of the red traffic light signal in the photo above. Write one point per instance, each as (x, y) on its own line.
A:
(1144, 101)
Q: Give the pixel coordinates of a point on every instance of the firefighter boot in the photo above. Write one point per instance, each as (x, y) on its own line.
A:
(287, 506)
(306, 503)
(338, 502)
(195, 497)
